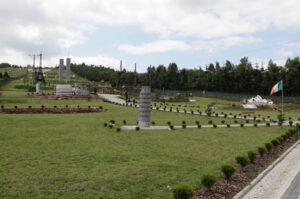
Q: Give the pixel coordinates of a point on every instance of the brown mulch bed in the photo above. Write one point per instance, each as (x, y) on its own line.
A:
(49, 110)
(227, 189)
(65, 97)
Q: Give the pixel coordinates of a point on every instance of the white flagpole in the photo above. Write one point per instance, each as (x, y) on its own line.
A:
(282, 96)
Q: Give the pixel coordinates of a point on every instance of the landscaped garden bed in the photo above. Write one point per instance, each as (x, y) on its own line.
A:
(49, 110)
(227, 188)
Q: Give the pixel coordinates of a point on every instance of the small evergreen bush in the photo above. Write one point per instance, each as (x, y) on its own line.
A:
(223, 121)
(228, 171)
(105, 124)
(182, 191)
(268, 124)
(261, 150)
(241, 160)
(291, 123)
(29, 106)
(242, 125)
(210, 122)
(183, 126)
(199, 126)
(251, 156)
(171, 127)
(275, 142)
(268, 146)
(137, 128)
(124, 122)
(208, 181)
(118, 129)
(153, 123)
(215, 126)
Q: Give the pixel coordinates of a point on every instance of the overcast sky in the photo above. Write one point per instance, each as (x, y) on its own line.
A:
(191, 33)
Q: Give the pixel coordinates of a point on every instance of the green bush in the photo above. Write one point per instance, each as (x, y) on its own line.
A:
(199, 126)
(171, 127)
(280, 140)
(182, 191)
(255, 125)
(2, 106)
(284, 137)
(268, 124)
(228, 125)
(29, 106)
(291, 123)
(225, 115)
(183, 122)
(210, 122)
(105, 124)
(228, 170)
(67, 106)
(268, 146)
(261, 150)
(183, 126)
(251, 156)
(153, 123)
(112, 121)
(242, 125)
(169, 123)
(124, 122)
(208, 181)
(110, 126)
(242, 160)
(223, 121)
(137, 128)
(118, 129)
(275, 142)
(215, 126)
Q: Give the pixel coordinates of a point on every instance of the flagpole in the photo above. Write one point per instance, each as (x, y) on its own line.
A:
(282, 97)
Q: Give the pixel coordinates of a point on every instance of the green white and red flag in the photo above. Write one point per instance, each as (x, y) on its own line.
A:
(277, 87)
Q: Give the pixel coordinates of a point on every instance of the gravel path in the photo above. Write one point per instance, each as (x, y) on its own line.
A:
(276, 183)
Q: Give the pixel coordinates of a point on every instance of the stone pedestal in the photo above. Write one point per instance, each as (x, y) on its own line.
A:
(145, 107)
(61, 70)
(68, 69)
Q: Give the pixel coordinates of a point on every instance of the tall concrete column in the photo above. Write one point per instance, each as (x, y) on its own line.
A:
(61, 70)
(145, 107)
(68, 69)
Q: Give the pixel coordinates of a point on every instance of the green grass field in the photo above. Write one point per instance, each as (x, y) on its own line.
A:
(74, 156)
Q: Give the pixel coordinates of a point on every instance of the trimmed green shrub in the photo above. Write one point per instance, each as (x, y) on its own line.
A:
(112, 121)
(235, 121)
(153, 123)
(137, 128)
(223, 121)
(197, 122)
(183, 122)
(199, 126)
(210, 122)
(182, 191)
(228, 125)
(118, 129)
(284, 137)
(255, 125)
(169, 123)
(280, 140)
(29, 106)
(54, 106)
(208, 181)
(42, 106)
(171, 127)
(2, 106)
(228, 171)
(215, 126)
(242, 160)
(78, 106)
(100, 107)
(275, 142)
(261, 150)
(251, 156)
(268, 146)
(124, 122)
(183, 126)
(105, 124)
(268, 124)
(242, 125)
(291, 123)
(225, 115)
(110, 126)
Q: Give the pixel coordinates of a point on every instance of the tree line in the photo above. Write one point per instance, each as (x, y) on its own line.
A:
(233, 78)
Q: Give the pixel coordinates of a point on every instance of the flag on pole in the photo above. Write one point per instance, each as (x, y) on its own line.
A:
(277, 87)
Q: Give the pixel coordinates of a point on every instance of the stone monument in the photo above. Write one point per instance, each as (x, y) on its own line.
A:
(61, 70)
(37, 88)
(64, 89)
(68, 69)
(145, 107)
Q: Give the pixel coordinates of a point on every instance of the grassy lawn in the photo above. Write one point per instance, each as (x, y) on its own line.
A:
(74, 156)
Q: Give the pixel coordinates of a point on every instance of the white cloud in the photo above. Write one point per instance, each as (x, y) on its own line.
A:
(176, 45)
(156, 47)
(52, 26)
(285, 53)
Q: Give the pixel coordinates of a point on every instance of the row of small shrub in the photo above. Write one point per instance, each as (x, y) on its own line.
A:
(183, 191)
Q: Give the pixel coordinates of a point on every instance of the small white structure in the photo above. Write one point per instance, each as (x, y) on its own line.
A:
(258, 100)
(64, 89)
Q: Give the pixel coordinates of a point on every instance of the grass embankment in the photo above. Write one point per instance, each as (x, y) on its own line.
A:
(74, 156)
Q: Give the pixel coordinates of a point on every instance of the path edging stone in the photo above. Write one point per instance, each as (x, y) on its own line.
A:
(254, 182)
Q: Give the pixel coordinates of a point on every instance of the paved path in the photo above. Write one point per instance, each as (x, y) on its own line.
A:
(282, 182)
(116, 99)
